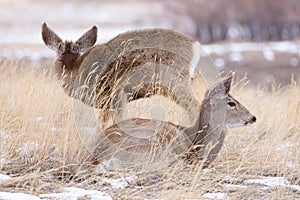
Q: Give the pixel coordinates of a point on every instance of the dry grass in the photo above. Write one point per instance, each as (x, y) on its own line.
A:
(41, 149)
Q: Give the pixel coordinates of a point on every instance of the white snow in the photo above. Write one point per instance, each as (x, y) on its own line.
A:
(229, 186)
(285, 145)
(17, 196)
(29, 151)
(120, 182)
(73, 193)
(268, 181)
(291, 164)
(2, 160)
(4, 135)
(38, 119)
(4, 177)
(268, 54)
(232, 179)
(215, 195)
(295, 187)
(272, 182)
(2, 132)
(54, 129)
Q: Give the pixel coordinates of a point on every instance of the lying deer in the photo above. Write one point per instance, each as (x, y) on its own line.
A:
(91, 73)
(131, 141)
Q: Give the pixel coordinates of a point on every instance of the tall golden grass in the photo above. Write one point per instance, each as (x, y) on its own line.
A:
(40, 146)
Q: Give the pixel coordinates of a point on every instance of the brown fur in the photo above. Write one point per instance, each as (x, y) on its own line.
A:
(207, 135)
(93, 76)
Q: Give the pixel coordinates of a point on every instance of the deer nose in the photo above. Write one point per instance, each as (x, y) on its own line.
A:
(254, 119)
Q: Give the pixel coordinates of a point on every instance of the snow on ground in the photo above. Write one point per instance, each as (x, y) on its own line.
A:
(269, 54)
(4, 177)
(268, 181)
(17, 196)
(120, 182)
(73, 193)
(215, 195)
(70, 193)
(4, 135)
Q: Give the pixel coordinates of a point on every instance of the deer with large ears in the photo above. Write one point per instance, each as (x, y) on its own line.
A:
(219, 111)
(91, 73)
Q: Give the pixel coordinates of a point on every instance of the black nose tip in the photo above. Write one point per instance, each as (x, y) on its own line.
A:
(254, 119)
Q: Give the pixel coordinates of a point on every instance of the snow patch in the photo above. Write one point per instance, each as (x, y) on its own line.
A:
(230, 186)
(268, 54)
(4, 177)
(215, 195)
(2, 160)
(291, 164)
(38, 119)
(120, 182)
(284, 146)
(268, 181)
(295, 187)
(232, 179)
(29, 152)
(4, 135)
(2, 132)
(17, 196)
(73, 193)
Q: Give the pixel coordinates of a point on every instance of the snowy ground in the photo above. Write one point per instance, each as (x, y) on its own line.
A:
(73, 193)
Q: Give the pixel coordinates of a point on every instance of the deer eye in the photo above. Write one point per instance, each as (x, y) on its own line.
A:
(232, 104)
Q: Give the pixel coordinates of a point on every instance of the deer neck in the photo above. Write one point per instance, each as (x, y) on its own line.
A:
(198, 131)
(67, 70)
(210, 123)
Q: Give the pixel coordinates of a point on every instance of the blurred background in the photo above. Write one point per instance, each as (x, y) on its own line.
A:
(259, 38)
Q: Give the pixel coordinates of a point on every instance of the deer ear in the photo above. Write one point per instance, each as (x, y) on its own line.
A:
(50, 38)
(227, 81)
(223, 85)
(86, 41)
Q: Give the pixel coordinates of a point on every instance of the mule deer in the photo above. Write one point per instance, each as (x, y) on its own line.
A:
(219, 111)
(91, 73)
